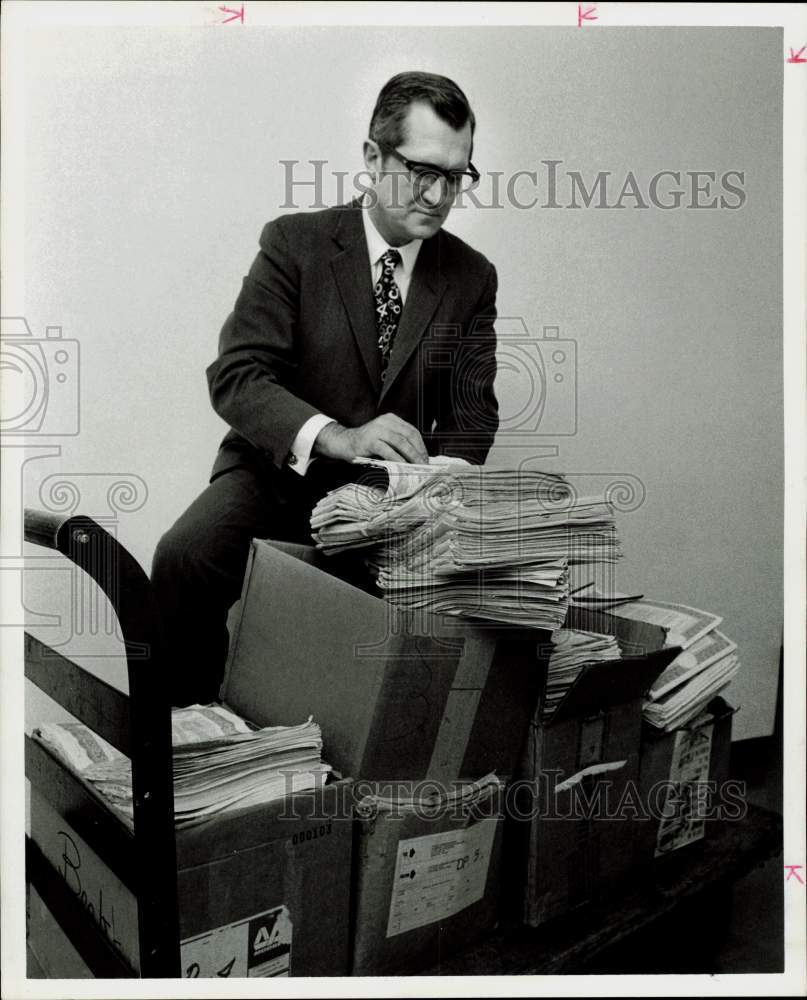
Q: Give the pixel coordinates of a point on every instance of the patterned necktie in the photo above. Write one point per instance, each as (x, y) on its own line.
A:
(387, 306)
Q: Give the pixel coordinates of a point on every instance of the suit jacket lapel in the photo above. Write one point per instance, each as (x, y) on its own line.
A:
(351, 267)
(426, 288)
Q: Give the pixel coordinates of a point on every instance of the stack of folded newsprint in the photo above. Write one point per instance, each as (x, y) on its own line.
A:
(693, 678)
(479, 541)
(706, 665)
(572, 649)
(220, 762)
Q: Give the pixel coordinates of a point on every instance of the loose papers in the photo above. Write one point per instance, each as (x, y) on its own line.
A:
(479, 541)
(220, 762)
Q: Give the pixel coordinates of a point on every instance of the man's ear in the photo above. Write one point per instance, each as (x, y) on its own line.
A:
(372, 157)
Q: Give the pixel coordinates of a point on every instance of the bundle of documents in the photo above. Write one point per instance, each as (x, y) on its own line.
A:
(691, 681)
(427, 798)
(220, 762)
(676, 624)
(398, 497)
(480, 541)
(532, 595)
(572, 649)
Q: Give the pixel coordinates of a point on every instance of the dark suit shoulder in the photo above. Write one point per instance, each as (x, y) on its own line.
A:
(463, 255)
(299, 228)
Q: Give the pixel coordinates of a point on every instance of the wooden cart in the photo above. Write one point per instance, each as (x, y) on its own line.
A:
(145, 860)
(139, 725)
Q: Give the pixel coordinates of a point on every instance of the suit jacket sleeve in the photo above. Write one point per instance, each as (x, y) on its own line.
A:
(469, 413)
(257, 356)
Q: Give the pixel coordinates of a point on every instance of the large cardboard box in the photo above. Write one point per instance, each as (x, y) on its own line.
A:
(252, 886)
(570, 826)
(683, 777)
(427, 879)
(398, 696)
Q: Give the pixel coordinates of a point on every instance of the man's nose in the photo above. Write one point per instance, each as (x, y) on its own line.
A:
(435, 194)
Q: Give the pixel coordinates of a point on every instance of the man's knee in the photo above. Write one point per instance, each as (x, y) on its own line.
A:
(179, 553)
(202, 547)
(167, 559)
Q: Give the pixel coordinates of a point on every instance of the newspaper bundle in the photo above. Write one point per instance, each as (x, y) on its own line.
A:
(479, 541)
(573, 648)
(220, 762)
(693, 678)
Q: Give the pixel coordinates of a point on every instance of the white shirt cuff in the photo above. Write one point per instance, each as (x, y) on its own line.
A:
(300, 452)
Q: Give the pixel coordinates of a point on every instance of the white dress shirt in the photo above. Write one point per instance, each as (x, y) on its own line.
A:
(300, 453)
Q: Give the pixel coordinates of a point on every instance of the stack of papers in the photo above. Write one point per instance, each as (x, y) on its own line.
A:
(533, 595)
(693, 678)
(427, 798)
(681, 625)
(574, 648)
(220, 762)
(478, 541)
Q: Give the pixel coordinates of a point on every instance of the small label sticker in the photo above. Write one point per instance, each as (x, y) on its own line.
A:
(682, 819)
(438, 875)
(259, 946)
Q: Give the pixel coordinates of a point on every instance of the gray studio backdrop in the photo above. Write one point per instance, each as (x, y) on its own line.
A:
(153, 158)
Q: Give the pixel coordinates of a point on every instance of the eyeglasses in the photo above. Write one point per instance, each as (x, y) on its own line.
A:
(423, 176)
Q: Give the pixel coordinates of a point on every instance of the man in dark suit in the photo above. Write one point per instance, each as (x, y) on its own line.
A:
(360, 331)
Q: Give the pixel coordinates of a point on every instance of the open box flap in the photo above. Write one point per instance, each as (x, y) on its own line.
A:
(612, 682)
(279, 580)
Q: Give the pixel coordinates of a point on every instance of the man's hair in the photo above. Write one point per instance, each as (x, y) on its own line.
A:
(405, 89)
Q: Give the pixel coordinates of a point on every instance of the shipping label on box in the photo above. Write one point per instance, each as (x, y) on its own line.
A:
(257, 947)
(438, 875)
(682, 818)
(427, 877)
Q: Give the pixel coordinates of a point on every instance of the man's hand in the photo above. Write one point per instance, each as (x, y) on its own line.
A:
(386, 437)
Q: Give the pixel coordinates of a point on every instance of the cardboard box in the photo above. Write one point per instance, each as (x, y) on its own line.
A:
(578, 777)
(398, 696)
(682, 774)
(427, 882)
(636, 638)
(251, 887)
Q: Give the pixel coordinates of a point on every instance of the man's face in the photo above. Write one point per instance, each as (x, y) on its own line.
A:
(402, 214)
